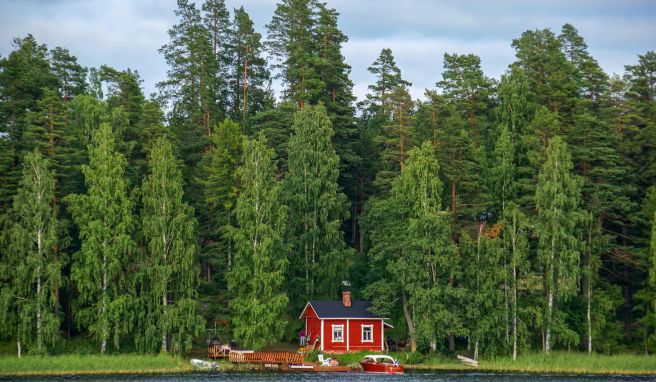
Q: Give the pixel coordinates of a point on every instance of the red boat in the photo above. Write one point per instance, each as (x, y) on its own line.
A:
(382, 364)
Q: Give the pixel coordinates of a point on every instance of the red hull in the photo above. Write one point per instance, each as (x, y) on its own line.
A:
(382, 368)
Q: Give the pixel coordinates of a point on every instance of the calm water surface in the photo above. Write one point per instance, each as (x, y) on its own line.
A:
(347, 377)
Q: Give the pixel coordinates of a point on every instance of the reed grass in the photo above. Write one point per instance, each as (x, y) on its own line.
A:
(92, 364)
(575, 363)
(556, 362)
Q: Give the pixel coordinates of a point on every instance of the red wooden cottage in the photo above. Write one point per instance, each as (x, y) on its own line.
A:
(342, 326)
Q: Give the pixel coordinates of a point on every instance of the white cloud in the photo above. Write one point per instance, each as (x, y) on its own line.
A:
(128, 33)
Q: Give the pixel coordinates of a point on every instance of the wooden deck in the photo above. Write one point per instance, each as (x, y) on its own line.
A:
(270, 358)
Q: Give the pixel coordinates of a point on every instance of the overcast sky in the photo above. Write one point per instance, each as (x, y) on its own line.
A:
(128, 33)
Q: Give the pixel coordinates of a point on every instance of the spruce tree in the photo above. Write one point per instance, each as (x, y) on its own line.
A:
(219, 185)
(256, 280)
(170, 266)
(319, 258)
(104, 216)
(36, 270)
(558, 198)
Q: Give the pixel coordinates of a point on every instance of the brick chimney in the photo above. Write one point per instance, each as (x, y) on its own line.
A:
(346, 299)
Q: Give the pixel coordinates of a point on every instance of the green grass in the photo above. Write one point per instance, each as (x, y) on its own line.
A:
(579, 363)
(556, 362)
(92, 364)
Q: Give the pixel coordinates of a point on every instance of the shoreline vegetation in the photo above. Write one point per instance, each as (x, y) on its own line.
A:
(126, 364)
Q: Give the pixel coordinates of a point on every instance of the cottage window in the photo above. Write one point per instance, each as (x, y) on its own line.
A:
(367, 333)
(338, 333)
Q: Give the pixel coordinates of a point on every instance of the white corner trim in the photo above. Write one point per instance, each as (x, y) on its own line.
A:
(348, 338)
(321, 336)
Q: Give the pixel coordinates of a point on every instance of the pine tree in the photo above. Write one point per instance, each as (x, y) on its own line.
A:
(397, 137)
(388, 77)
(35, 269)
(190, 89)
(70, 75)
(319, 260)
(551, 76)
(250, 78)
(170, 265)
(105, 221)
(465, 85)
(216, 21)
(292, 44)
(256, 281)
(558, 197)
(338, 98)
(461, 169)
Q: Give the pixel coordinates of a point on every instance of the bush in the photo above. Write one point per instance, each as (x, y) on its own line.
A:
(412, 358)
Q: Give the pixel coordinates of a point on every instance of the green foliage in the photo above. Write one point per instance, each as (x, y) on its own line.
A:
(256, 281)
(104, 216)
(170, 274)
(29, 301)
(219, 185)
(558, 197)
(319, 258)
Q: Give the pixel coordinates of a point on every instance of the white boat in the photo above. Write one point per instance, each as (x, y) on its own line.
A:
(204, 365)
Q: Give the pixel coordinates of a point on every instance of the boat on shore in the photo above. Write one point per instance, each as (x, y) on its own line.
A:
(381, 364)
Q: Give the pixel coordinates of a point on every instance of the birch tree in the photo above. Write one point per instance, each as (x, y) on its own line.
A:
(104, 216)
(256, 281)
(316, 208)
(171, 272)
(515, 243)
(34, 269)
(557, 198)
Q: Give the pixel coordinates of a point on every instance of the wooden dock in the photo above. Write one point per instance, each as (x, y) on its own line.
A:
(285, 361)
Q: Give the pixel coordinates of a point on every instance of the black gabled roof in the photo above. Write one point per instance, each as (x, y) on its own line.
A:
(336, 309)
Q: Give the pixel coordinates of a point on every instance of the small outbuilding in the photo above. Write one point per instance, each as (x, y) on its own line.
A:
(343, 326)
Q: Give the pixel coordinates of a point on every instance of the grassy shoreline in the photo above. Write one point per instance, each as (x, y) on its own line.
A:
(11, 366)
(122, 364)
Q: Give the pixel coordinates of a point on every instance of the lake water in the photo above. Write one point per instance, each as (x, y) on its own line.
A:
(347, 377)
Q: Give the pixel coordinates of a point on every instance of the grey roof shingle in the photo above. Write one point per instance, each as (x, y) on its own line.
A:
(336, 309)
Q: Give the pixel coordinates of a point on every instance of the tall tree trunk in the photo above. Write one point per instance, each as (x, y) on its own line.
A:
(588, 292)
(164, 342)
(476, 350)
(39, 322)
(245, 91)
(103, 308)
(18, 345)
(514, 314)
(401, 142)
(411, 325)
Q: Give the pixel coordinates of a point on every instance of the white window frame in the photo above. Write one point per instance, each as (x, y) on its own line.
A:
(371, 333)
(341, 331)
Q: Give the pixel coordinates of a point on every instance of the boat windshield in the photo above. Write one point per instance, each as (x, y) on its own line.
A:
(379, 358)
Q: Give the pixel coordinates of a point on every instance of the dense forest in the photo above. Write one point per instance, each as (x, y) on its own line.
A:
(499, 215)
